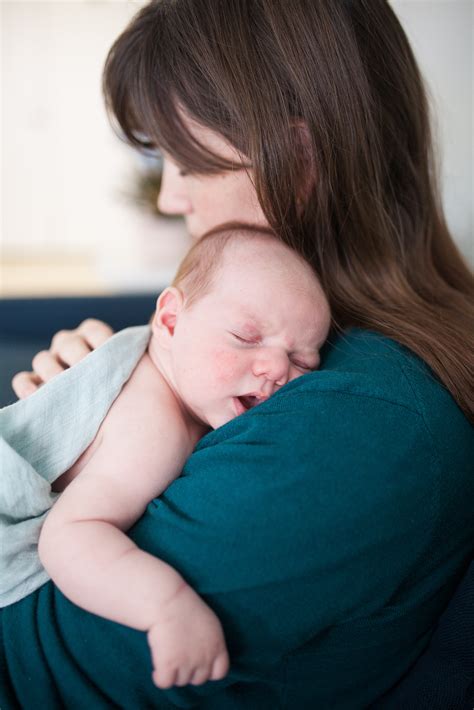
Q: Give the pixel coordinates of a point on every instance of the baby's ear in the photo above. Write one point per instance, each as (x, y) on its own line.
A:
(168, 307)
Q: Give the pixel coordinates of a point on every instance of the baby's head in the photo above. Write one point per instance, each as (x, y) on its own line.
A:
(244, 316)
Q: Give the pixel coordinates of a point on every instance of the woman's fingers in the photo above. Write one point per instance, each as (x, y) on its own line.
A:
(70, 346)
(95, 332)
(45, 365)
(69, 349)
(25, 383)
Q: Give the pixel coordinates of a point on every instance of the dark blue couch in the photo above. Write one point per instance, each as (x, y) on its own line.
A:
(28, 324)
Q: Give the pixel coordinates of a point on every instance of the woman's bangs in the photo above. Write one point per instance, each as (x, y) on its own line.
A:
(180, 91)
(147, 109)
(170, 133)
(153, 78)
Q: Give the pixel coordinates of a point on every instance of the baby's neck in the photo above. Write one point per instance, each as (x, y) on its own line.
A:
(160, 360)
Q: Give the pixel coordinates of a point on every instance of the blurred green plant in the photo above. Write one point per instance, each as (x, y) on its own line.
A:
(145, 187)
(146, 190)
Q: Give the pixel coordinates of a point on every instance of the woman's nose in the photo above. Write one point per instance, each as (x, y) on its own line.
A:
(273, 364)
(173, 197)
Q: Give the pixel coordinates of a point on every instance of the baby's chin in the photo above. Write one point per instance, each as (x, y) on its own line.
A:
(218, 419)
(234, 408)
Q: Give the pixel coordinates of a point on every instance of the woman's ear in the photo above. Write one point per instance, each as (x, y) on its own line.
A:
(168, 307)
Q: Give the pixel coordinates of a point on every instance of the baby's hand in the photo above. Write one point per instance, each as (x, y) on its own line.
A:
(187, 643)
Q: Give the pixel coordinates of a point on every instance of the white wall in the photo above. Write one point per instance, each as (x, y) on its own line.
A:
(60, 157)
(441, 34)
(63, 170)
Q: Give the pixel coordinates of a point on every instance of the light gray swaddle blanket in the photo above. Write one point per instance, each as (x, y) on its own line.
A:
(40, 438)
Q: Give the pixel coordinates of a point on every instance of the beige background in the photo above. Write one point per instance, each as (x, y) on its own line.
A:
(66, 227)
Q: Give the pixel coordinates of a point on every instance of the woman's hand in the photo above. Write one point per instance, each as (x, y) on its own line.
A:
(67, 348)
(187, 642)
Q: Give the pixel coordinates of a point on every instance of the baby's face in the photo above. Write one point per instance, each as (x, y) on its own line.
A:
(261, 326)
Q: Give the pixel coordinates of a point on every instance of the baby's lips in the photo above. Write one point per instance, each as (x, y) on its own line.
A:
(252, 399)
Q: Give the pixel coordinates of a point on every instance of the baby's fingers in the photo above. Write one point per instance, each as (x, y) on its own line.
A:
(167, 677)
(200, 676)
(220, 667)
(218, 670)
(164, 677)
(185, 675)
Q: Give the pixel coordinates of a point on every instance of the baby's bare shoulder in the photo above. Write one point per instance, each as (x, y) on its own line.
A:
(140, 447)
(143, 441)
(145, 405)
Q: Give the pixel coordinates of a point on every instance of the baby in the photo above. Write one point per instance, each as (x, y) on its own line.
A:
(244, 316)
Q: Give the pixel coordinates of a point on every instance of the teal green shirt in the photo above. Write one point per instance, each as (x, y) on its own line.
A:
(327, 528)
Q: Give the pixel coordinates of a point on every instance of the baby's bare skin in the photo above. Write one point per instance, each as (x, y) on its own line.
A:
(61, 483)
(138, 451)
(260, 325)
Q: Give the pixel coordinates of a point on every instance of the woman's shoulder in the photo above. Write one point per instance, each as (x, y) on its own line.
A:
(379, 364)
(368, 365)
(381, 389)
(370, 393)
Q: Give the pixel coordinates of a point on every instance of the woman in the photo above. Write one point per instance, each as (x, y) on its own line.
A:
(339, 525)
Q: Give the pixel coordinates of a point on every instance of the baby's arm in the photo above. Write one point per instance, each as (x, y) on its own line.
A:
(84, 549)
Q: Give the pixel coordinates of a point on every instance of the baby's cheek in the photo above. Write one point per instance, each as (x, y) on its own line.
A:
(225, 365)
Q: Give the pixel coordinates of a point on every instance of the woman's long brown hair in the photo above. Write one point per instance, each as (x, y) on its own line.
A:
(325, 100)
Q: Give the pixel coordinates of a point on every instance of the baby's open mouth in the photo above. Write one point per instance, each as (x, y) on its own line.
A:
(249, 400)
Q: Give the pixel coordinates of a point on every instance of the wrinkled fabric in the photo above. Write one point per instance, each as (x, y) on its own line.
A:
(40, 438)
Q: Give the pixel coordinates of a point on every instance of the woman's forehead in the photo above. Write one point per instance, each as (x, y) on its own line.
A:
(210, 140)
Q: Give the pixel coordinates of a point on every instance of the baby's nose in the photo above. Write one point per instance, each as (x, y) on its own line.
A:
(274, 364)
